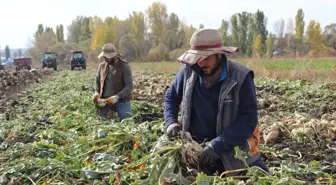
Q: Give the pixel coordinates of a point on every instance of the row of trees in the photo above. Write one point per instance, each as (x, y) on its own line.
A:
(154, 35)
(17, 53)
(248, 31)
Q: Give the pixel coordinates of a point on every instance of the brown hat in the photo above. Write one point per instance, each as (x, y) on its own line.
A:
(205, 42)
(109, 51)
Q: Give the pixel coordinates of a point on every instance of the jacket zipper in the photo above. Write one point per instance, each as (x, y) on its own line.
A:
(228, 89)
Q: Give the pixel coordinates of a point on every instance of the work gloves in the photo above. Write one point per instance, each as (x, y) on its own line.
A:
(95, 97)
(112, 100)
(207, 158)
(173, 130)
(102, 102)
(97, 101)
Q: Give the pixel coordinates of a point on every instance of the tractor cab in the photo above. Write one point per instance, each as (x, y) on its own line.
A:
(78, 55)
(48, 60)
(77, 60)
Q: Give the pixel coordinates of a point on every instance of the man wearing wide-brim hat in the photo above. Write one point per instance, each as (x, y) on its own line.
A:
(219, 106)
(114, 84)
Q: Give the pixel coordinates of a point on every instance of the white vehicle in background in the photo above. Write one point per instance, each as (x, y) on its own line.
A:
(8, 63)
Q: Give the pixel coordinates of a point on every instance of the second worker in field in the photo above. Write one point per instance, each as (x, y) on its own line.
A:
(114, 84)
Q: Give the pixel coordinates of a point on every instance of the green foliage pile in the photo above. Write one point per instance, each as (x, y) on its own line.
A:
(53, 135)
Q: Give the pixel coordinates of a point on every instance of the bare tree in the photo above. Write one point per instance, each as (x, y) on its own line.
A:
(279, 27)
(290, 26)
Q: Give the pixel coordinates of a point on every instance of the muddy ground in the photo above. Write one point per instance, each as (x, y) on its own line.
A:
(13, 82)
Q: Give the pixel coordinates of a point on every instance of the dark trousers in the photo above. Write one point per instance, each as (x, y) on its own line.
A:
(218, 166)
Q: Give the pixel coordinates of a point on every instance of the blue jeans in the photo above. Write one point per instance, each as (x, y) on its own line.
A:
(123, 109)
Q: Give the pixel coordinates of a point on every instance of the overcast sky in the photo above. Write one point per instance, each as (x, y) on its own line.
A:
(19, 18)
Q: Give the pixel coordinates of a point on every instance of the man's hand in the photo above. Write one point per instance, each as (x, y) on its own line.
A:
(95, 97)
(207, 157)
(100, 103)
(112, 100)
(173, 130)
